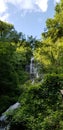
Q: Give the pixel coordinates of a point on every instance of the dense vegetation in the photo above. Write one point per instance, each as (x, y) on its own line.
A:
(41, 105)
(41, 102)
(15, 53)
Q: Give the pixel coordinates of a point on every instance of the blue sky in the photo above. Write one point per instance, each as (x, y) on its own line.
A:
(27, 16)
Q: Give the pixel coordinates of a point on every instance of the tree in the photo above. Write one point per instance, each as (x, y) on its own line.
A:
(45, 100)
(49, 55)
(5, 29)
(9, 82)
(9, 34)
(54, 26)
(15, 54)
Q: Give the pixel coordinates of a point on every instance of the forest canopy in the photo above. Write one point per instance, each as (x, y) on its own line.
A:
(41, 100)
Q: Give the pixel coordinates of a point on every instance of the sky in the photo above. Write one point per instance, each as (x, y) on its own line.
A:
(27, 16)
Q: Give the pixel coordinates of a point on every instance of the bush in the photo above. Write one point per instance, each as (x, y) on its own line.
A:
(37, 103)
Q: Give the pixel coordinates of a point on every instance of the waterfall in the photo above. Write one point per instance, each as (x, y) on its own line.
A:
(4, 124)
(33, 70)
(32, 66)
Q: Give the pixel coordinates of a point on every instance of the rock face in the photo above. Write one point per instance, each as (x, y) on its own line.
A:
(4, 124)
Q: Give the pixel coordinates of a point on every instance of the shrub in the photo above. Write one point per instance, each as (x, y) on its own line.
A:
(38, 101)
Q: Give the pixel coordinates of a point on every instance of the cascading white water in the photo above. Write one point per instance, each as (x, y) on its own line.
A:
(3, 124)
(33, 70)
(32, 66)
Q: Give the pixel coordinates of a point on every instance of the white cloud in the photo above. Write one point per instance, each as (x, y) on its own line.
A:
(57, 1)
(30, 4)
(24, 5)
(42, 4)
(3, 6)
(4, 17)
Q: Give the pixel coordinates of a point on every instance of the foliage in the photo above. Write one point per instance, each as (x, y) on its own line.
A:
(9, 34)
(15, 54)
(54, 26)
(49, 54)
(53, 121)
(40, 105)
(41, 102)
(8, 76)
